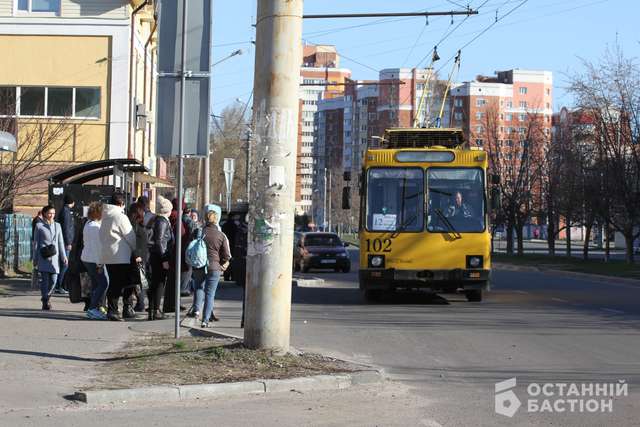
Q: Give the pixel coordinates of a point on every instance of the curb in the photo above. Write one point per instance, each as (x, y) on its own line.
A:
(599, 277)
(208, 391)
(304, 282)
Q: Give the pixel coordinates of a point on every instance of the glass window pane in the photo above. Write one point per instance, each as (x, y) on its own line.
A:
(45, 5)
(23, 5)
(395, 199)
(456, 200)
(7, 100)
(88, 102)
(60, 101)
(32, 101)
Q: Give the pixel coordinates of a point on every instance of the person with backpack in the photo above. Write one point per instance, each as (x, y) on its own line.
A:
(206, 278)
(160, 257)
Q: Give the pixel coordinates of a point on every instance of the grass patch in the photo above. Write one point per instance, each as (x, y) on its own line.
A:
(614, 268)
(160, 360)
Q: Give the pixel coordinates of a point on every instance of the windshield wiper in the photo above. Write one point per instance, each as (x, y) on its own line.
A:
(444, 219)
(403, 226)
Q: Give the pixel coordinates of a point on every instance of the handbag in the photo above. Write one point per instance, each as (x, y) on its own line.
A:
(137, 276)
(49, 251)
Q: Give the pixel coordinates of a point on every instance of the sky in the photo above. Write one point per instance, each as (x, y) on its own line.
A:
(552, 35)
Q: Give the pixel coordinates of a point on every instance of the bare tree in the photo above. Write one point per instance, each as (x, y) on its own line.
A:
(39, 142)
(610, 91)
(515, 156)
(229, 138)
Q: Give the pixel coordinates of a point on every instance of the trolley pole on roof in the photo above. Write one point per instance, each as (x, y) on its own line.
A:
(273, 172)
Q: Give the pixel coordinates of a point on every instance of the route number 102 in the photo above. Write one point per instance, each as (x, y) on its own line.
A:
(378, 245)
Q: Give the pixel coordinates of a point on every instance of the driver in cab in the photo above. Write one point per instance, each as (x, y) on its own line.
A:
(459, 209)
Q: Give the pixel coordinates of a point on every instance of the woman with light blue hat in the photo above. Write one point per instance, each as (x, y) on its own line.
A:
(206, 279)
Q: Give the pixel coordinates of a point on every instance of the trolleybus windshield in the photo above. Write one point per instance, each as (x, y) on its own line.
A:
(395, 199)
(455, 200)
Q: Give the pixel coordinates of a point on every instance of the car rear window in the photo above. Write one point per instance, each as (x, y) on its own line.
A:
(322, 241)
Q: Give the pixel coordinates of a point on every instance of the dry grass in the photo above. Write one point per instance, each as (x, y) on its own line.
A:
(161, 360)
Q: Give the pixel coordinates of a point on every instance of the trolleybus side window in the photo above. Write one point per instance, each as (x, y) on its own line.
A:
(395, 199)
(455, 200)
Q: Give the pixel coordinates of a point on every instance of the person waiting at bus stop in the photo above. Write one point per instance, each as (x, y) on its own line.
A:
(118, 241)
(206, 279)
(49, 253)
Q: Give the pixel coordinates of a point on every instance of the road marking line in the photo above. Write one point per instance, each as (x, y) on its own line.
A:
(522, 292)
(611, 310)
(559, 300)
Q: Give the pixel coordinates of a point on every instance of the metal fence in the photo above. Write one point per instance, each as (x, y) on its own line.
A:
(15, 242)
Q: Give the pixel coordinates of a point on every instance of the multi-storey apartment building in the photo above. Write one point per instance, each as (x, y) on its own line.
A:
(88, 65)
(320, 78)
(407, 95)
(514, 97)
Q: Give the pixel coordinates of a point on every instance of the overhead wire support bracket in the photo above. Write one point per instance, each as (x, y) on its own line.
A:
(383, 15)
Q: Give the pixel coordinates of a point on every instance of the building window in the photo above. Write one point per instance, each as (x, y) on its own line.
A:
(37, 6)
(523, 90)
(419, 86)
(458, 102)
(509, 104)
(481, 102)
(522, 117)
(60, 101)
(508, 117)
(32, 101)
(7, 101)
(479, 142)
(457, 116)
(548, 91)
(479, 129)
(479, 115)
(548, 105)
(522, 131)
(523, 104)
(40, 101)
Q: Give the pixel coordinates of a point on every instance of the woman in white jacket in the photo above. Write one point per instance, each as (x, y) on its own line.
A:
(92, 261)
(117, 241)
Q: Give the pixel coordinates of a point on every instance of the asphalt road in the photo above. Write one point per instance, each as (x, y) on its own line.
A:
(444, 355)
(537, 327)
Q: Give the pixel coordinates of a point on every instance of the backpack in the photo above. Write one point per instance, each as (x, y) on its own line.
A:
(196, 253)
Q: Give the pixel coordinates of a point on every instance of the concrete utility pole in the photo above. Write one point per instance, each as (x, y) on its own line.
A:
(273, 171)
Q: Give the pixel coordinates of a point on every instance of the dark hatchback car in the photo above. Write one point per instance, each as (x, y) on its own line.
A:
(320, 250)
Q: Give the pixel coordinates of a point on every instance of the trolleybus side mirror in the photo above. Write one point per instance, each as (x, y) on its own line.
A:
(496, 200)
(346, 199)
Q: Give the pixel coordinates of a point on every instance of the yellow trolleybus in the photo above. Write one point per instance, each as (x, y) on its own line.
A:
(423, 214)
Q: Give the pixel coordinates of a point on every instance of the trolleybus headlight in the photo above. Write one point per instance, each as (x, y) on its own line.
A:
(377, 261)
(474, 261)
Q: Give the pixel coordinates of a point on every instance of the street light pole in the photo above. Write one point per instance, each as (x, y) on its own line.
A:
(324, 202)
(330, 211)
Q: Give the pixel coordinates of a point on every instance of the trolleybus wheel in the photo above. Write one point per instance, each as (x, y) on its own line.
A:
(474, 295)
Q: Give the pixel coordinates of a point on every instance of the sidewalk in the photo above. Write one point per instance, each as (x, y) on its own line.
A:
(47, 355)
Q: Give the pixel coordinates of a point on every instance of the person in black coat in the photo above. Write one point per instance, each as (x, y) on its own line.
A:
(66, 221)
(160, 257)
